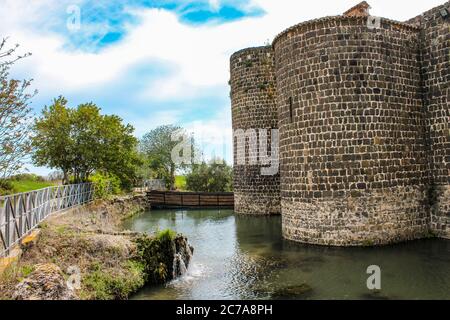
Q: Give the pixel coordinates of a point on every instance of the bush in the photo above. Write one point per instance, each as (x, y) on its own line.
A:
(6, 187)
(27, 177)
(212, 177)
(105, 184)
(180, 182)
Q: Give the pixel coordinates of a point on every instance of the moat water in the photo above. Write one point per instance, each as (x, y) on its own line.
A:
(246, 258)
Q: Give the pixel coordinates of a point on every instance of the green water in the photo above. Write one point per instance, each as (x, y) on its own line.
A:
(246, 258)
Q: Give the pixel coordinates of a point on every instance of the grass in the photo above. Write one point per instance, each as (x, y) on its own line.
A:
(166, 235)
(180, 182)
(102, 284)
(112, 266)
(29, 185)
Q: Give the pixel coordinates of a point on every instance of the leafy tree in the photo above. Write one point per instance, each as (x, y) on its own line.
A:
(119, 150)
(215, 176)
(15, 115)
(82, 141)
(89, 141)
(144, 171)
(54, 140)
(157, 146)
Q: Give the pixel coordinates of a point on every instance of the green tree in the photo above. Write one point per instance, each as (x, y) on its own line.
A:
(119, 150)
(157, 146)
(15, 114)
(82, 141)
(54, 141)
(215, 176)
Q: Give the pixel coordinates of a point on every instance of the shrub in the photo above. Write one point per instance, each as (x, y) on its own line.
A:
(180, 182)
(6, 187)
(105, 184)
(210, 177)
(27, 177)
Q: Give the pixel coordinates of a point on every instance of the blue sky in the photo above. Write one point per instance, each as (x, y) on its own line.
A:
(106, 21)
(156, 62)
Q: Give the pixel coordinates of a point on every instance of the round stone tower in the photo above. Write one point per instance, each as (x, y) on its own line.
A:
(254, 114)
(352, 132)
(436, 66)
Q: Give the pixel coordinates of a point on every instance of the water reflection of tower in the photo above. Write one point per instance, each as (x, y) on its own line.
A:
(263, 233)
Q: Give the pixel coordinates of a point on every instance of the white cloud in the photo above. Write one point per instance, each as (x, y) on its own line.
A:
(199, 53)
(143, 124)
(215, 4)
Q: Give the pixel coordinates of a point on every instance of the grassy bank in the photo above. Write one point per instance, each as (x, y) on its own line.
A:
(23, 183)
(29, 185)
(112, 263)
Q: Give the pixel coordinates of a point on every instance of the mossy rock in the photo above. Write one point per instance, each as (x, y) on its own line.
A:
(156, 254)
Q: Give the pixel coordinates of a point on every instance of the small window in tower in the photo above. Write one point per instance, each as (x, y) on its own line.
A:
(290, 109)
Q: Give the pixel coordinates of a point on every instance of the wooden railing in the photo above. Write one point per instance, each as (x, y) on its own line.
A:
(173, 199)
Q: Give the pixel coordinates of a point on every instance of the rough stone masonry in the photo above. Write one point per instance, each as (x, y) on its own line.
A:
(361, 105)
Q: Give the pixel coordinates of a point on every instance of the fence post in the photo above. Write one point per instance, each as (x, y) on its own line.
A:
(7, 226)
(18, 215)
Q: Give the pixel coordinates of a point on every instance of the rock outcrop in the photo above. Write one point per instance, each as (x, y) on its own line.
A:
(46, 282)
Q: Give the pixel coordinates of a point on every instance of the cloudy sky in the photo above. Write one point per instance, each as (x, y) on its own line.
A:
(156, 62)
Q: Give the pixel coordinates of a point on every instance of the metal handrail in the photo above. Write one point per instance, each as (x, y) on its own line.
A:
(154, 184)
(22, 212)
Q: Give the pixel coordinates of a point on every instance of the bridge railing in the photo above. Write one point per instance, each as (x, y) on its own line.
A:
(21, 213)
(152, 184)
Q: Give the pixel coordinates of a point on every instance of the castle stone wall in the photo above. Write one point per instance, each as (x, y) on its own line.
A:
(253, 107)
(361, 104)
(435, 42)
(352, 132)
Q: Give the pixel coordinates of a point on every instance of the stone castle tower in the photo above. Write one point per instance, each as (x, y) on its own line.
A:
(361, 105)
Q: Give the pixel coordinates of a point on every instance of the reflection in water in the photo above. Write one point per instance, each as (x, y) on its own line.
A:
(246, 258)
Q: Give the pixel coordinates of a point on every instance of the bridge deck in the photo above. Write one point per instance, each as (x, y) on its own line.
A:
(194, 200)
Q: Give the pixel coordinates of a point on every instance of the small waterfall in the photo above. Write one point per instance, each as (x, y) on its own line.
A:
(179, 267)
(182, 257)
(188, 252)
